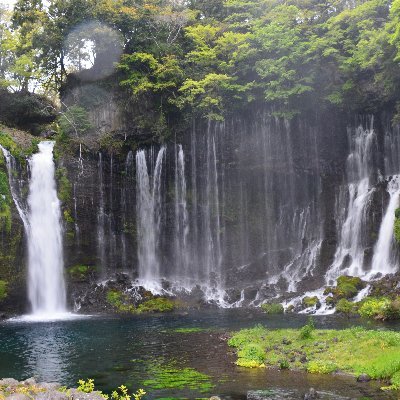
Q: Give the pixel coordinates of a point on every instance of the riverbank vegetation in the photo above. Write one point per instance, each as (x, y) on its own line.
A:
(356, 351)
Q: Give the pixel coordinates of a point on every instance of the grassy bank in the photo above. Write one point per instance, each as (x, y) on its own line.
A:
(355, 351)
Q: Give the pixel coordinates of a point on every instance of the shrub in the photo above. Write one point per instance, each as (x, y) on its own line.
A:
(252, 353)
(373, 307)
(3, 290)
(345, 306)
(273, 308)
(307, 330)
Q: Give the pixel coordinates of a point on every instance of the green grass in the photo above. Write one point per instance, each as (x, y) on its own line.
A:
(355, 351)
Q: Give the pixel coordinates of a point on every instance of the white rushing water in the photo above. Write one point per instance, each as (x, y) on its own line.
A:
(148, 219)
(384, 260)
(349, 257)
(46, 286)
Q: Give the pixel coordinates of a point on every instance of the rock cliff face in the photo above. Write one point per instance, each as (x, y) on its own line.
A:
(237, 212)
(246, 209)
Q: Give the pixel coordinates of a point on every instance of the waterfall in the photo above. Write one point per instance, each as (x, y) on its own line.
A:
(46, 287)
(349, 257)
(14, 189)
(101, 218)
(384, 260)
(182, 256)
(148, 206)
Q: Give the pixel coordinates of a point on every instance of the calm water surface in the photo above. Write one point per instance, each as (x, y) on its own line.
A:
(146, 351)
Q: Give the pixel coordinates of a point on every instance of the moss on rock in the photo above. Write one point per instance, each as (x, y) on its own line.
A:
(273, 308)
(311, 302)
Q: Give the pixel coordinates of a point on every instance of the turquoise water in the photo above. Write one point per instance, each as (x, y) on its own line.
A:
(155, 353)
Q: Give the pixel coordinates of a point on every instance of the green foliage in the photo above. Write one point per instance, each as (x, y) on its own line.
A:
(64, 185)
(310, 301)
(373, 307)
(307, 330)
(157, 304)
(273, 308)
(80, 272)
(74, 121)
(120, 394)
(354, 350)
(86, 386)
(345, 306)
(348, 286)
(211, 57)
(321, 367)
(251, 354)
(120, 301)
(3, 290)
(396, 227)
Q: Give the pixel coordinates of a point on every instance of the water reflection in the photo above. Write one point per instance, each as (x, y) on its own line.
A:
(48, 347)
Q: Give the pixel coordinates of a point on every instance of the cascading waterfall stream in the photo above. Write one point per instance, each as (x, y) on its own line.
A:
(148, 219)
(182, 256)
(349, 257)
(384, 260)
(46, 286)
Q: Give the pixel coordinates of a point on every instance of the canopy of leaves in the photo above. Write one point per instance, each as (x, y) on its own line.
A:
(211, 58)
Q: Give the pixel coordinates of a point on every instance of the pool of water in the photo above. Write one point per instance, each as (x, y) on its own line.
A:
(162, 355)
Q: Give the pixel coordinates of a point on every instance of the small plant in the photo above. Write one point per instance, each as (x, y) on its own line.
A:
(321, 367)
(273, 308)
(307, 330)
(124, 395)
(284, 364)
(373, 307)
(86, 386)
(251, 355)
(345, 306)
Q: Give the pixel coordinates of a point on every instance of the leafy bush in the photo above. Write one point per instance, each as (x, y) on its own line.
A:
(273, 308)
(252, 354)
(373, 307)
(345, 306)
(307, 330)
